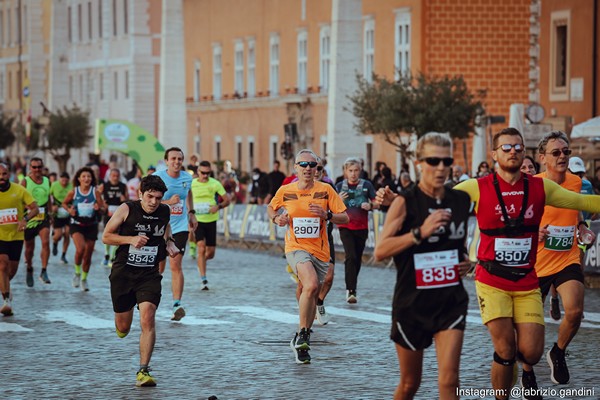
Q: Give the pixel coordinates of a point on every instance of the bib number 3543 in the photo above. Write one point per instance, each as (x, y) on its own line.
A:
(436, 269)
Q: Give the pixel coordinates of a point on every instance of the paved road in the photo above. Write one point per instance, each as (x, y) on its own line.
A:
(234, 342)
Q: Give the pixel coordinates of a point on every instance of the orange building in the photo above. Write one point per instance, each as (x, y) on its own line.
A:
(253, 66)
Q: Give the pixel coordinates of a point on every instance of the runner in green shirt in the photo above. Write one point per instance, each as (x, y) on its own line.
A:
(58, 191)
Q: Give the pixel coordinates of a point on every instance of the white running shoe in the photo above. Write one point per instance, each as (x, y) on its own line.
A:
(322, 315)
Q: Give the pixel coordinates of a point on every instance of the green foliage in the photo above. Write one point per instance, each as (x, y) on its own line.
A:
(417, 105)
(68, 129)
(7, 136)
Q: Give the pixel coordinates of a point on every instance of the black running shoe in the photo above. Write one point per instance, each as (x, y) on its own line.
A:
(301, 355)
(529, 386)
(29, 278)
(555, 309)
(303, 340)
(559, 373)
(54, 249)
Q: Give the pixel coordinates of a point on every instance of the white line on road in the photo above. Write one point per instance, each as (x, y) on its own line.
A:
(11, 327)
(368, 316)
(78, 318)
(263, 313)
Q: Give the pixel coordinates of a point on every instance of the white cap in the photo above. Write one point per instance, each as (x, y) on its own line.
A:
(576, 165)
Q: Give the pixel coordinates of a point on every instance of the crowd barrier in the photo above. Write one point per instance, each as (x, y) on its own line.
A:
(250, 225)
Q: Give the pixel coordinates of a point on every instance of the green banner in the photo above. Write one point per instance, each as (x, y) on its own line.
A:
(130, 139)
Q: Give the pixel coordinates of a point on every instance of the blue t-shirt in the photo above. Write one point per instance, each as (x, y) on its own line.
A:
(180, 186)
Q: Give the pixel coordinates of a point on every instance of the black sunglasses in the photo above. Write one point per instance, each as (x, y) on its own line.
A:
(319, 168)
(36, 166)
(556, 152)
(305, 164)
(507, 147)
(435, 161)
(205, 172)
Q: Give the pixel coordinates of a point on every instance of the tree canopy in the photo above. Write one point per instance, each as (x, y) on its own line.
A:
(7, 136)
(414, 104)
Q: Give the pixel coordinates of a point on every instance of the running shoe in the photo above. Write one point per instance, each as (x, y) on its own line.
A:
(105, 262)
(204, 285)
(144, 378)
(302, 340)
(84, 286)
(178, 313)
(555, 309)
(559, 373)
(6, 309)
(75, 281)
(193, 251)
(293, 275)
(351, 297)
(529, 386)
(54, 249)
(44, 277)
(29, 278)
(301, 355)
(322, 315)
(64, 260)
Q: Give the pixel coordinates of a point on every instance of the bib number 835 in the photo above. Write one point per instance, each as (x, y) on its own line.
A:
(439, 274)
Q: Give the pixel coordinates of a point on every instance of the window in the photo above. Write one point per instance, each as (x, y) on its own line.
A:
(217, 71)
(101, 85)
(238, 79)
(369, 50)
(274, 151)
(323, 146)
(116, 84)
(238, 152)
(18, 25)
(274, 65)
(325, 54)
(10, 84)
(89, 10)
(70, 89)
(79, 23)
(114, 17)
(197, 81)
(402, 43)
(302, 61)
(218, 148)
(2, 28)
(251, 163)
(126, 84)
(24, 24)
(81, 90)
(125, 17)
(9, 26)
(99, 18)
(559, 53)
(251, 85)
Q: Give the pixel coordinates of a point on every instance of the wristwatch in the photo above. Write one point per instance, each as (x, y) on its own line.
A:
(416, 235)
(329, 215)
(192, 212)
(170, 239)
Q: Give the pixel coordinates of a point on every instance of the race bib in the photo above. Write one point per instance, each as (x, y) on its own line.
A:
(560, 238)
(62, 213)
(144, 257)
(177, 209)
(436, 269)
(85, 209)
(202, 208)
(8, 216)
(512, 252)
(111, 210)
(305, 228)
(41, 215)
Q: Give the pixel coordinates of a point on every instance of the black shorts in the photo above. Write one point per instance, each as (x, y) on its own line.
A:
(131, 285)
(12, 249)
(181, 239)
(89, 232)
(61, 222)
(412, 334)
(31, 233)
(331, 246)
(207, 231)
(570, 273)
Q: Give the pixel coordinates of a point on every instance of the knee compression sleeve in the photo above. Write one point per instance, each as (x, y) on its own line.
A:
(502, 361)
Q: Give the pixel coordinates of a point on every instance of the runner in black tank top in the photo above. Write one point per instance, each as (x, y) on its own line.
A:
(425, 232)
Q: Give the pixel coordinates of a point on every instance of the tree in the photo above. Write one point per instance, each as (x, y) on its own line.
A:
(66, 129)
(421, 104)
(7, 136)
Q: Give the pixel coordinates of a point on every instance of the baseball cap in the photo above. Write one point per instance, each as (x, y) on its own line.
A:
(576, 165)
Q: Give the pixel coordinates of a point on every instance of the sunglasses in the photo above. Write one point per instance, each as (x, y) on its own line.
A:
(305, 164)
(556, 152)
(435, 161)
(205, 172)
(319, 168)
(36, 166)
(508, 147)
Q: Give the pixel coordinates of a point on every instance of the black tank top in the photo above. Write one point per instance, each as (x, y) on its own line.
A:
(427, 281)
(112, 193)
(139, 222)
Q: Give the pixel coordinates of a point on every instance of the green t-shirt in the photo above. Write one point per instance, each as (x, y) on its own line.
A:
(204, 197)
(59, 193)
(41, 195)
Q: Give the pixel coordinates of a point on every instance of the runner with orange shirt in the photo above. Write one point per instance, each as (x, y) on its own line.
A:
(309, 204)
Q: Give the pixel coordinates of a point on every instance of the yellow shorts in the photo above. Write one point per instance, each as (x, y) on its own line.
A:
(521, 306)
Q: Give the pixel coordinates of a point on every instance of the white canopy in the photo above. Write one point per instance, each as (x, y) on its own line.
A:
(587, 129)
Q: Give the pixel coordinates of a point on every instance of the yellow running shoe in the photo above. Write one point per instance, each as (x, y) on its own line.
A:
(293, 275)
(144, 378)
